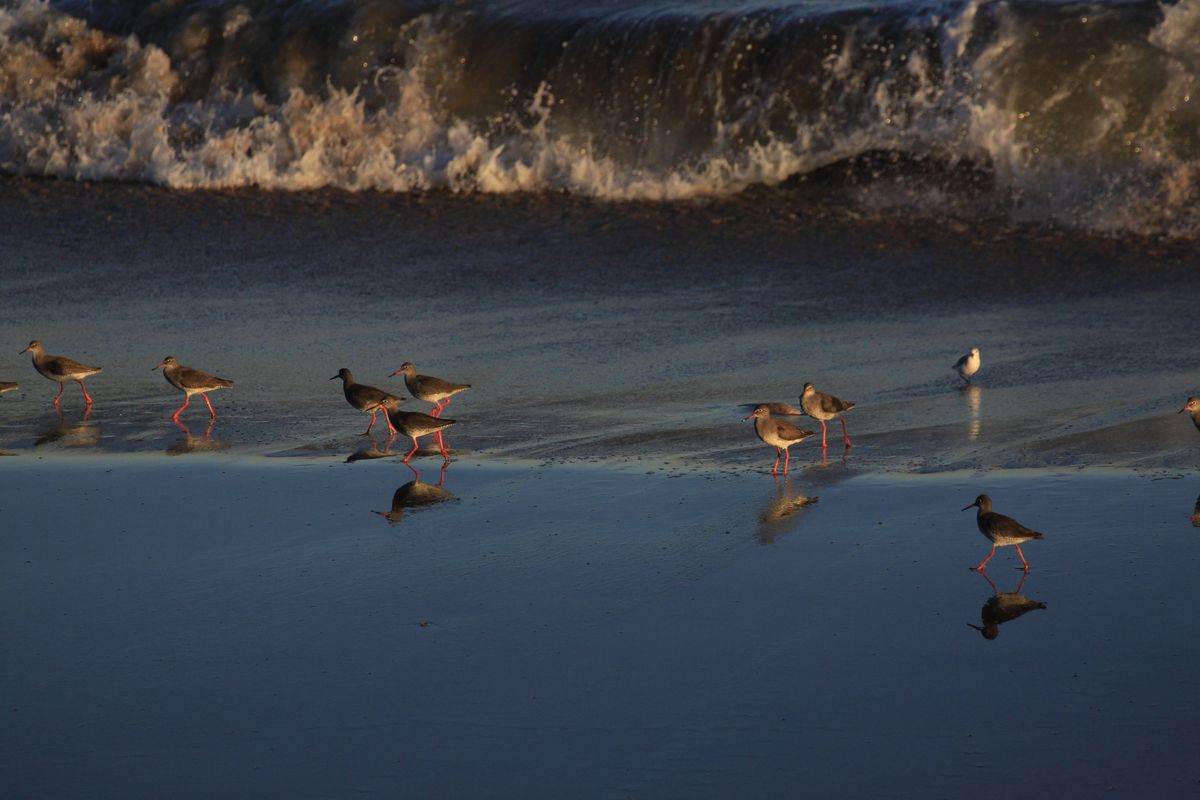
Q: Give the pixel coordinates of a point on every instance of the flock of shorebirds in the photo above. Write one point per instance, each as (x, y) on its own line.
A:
(780, 434)
(192, 381)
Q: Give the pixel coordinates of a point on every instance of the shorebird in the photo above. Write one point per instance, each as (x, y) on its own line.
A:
(60, 369)
(968, 365)
(1000, 530)
(367, 398)
(1193, 405)
(191, 381)
(776, 432)
(5, 386)
(822, 407)
(414, 425)
(430, 389)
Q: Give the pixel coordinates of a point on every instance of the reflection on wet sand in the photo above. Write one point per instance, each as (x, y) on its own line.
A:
(845, 457)
(69, 434)
(781, 515)
(374, 449)
(1003, 607)
(1196, 514)
(974, 396)
(193, 444)
(370, 450)
(417, 494)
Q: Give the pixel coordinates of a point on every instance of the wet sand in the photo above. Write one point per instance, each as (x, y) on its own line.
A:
(598, 331)
(206, 626)
(617, 600)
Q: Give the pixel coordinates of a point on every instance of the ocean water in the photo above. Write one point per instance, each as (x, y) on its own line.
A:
(1080, 115)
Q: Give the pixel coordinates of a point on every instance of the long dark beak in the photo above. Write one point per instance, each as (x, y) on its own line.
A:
(976, 627)
(335, 377)
(746, 418)
(26, 350)
(160, 366)
(973, 505)
(393, 374)
(1180, 410)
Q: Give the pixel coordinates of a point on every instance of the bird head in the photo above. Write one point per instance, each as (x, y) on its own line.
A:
(406, 368)
(983, 503)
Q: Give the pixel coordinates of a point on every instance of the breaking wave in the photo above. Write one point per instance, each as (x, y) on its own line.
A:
(1085, 115)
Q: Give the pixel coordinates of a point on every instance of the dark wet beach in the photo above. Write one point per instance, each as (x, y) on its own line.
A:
(587, 630)
(616, 599)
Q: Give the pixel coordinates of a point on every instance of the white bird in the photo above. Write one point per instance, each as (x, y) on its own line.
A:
(968, 365)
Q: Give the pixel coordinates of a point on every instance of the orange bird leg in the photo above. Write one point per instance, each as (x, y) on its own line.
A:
(372, 425)
(775, 466)
(86, 396)
(212, 412)
(442, 445)
(1022, 555)
(410, 453)
(989, 558)
(845, 433)
(187, 398)
(388, 420)
(57, 396)
(823, 445)
(787, 457)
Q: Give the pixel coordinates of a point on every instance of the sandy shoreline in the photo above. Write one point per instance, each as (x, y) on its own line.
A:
(648, 351)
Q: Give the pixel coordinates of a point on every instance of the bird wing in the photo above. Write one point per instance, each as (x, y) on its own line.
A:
(835, 405)
(790, 432)
(61, 365)
(962, 362)
(431, 385)
(1006, 525)
(191, 378)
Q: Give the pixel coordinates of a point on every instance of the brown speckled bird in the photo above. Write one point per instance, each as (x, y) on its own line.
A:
(428, 388)
(191, 381)
(60, 369)
(367, 398)
(778, 433)
(1000, 530)
(824, 407)
(1193, 407)
(414, 425)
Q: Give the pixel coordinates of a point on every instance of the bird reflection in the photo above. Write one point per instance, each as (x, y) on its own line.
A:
(371, 449)
(1003, 607)
(69, 434)
(974, 397)
(417, 494)
(1196, 514)
(782, 514)
(192, 444)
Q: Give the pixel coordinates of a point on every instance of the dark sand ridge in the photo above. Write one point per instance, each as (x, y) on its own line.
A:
(599, 331)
